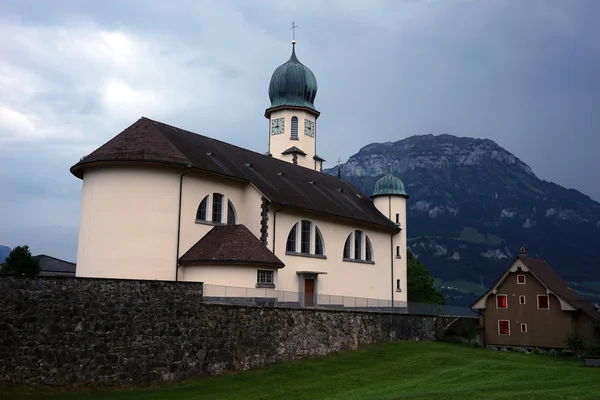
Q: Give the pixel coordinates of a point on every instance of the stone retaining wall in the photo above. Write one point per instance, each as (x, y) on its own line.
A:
(76, 331)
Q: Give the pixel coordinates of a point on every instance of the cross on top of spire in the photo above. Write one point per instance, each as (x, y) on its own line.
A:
(293, 28)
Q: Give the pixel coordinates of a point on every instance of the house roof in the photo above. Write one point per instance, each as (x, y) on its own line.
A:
(230, 244)
(549, 278)
(53, 264)
(279, 181)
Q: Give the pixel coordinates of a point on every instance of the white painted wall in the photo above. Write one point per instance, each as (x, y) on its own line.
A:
(281, 142)
(196, 185)
(239, 276)
(340, 277)
(390, 206)
(128, 223)
(128, 229)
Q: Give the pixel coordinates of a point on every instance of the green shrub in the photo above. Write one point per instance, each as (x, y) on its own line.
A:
(575, 342)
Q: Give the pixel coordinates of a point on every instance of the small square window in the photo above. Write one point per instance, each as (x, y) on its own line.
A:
(522, 299)
(521, 279)
(265, 277)
(501, 301)
(543, 302)
(524, 328)
(503, 327)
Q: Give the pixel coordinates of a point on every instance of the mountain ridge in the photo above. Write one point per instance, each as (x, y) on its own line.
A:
(473, 204)
(4, 252)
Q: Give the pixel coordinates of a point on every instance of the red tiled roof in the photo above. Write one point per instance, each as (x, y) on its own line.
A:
(230, 244)
(283, 183)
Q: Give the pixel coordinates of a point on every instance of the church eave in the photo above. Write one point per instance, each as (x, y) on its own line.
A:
(250, 263)
(269, 110)
(389, 194)
(78, 169)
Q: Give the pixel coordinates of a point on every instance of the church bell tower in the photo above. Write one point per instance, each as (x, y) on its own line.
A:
(292, 115)
(390, 198)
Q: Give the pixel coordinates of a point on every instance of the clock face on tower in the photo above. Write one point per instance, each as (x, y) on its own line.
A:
(309, 128)
(276, 126)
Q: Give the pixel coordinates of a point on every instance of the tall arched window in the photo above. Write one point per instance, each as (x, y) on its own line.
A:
(294, 128)
(305, 238)
(347, 247)
(319, 247)
(358, 247)
(216, 214)
(368, 249)
(217, 207)
(202, 212)
(291, 240)
(231, 215)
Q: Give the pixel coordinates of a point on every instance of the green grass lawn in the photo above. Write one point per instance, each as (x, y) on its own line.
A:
(398, 370)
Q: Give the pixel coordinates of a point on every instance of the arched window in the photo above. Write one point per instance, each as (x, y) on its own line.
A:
(295, 128)
(347, 247)
(305, 238)
(319, 247)
(231, 215)
(217, 213)
(291, 240)
(217, 207)
(202, 212)
(358, 247)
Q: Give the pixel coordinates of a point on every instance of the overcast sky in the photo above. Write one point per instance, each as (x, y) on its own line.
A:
(75, 73)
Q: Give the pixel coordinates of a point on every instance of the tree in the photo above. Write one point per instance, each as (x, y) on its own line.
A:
(420, 284)
(20, 262)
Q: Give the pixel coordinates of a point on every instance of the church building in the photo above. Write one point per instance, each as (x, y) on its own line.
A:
(162, 203)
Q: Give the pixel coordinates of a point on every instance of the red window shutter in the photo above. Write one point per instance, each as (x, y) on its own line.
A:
(543, 301)
(503, 327)
(501, 301)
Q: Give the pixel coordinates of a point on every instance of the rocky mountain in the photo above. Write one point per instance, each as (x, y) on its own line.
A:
(473, 204)
(4, 252)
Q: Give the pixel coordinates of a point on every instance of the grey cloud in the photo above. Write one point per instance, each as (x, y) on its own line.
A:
(523, 74)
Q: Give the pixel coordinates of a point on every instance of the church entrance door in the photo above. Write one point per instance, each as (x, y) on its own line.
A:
(309, 290)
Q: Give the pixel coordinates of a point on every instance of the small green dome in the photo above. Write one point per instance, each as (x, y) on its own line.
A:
(293, 84)
(389, 185)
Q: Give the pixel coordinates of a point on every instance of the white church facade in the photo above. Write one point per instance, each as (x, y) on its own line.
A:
(162, 203)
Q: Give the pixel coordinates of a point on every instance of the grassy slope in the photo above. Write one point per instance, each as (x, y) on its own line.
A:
(398, 370)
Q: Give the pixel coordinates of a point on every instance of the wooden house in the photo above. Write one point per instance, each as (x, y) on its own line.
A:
(531, 306)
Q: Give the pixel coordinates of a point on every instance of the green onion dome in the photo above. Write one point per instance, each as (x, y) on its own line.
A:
(389, 185)
(293, 84)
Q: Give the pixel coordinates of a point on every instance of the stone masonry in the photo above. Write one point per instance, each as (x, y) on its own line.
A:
(104, 332)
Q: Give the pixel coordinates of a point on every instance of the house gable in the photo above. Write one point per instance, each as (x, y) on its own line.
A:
(568, 299)
(519, 267)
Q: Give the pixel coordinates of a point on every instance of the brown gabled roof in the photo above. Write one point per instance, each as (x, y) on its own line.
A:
(549, 278)
(545, 274)
(230, 244)
(281, 182)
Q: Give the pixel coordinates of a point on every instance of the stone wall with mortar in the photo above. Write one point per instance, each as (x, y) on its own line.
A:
(77, 331)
